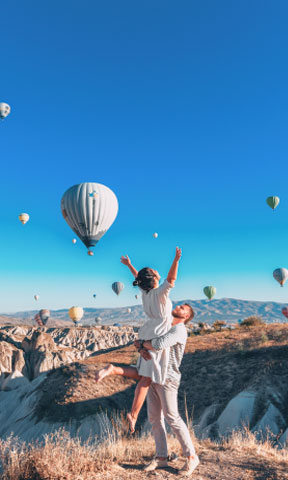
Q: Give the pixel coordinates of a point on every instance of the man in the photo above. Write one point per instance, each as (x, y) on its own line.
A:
(162, 400)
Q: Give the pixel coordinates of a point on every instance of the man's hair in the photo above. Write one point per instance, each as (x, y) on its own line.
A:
(191, 313)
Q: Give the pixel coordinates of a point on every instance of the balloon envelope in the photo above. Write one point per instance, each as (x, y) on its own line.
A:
(44, 315)
(74, 240)
(23, 217)
(209, 292)
(129, 310)
(98, 320)
(155, 235)
(94, 295)
(117, 287)
(38, 320)
(285, 311)
(273, 202)
(89, 209)
(76, 313)
(5, 109)
(116, 325)
(280, 275)
(36, 297)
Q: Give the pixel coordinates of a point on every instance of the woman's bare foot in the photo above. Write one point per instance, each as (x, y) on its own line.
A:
(103, 373)
(132, 422)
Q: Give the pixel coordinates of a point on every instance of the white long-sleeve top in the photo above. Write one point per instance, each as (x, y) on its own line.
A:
(158, 307)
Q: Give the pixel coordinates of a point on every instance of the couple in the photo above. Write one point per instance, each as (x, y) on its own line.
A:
(161, 346)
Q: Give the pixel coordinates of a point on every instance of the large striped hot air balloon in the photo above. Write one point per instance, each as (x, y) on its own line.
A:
(280, 275)
(117, 287)
(89, 209)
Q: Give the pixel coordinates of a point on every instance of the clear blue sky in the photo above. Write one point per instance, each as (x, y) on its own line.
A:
(181, 108)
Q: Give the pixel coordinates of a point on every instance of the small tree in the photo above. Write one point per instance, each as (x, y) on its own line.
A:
(253, 321)
(218, 325)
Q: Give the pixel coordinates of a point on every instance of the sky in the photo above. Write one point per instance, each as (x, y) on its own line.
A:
(180, 108)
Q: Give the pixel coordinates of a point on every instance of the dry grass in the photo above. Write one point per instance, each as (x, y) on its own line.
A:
(61, 457)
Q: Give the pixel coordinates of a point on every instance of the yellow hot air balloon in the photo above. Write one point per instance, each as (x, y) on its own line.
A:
(23, 217)
(76, 313)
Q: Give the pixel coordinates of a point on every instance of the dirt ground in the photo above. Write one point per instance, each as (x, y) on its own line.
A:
(216, 463)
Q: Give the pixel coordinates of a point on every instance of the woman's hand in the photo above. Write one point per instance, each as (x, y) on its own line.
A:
(125, 260)
(178, 254)
(137, 344)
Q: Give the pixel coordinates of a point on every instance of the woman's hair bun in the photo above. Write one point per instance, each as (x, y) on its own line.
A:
(145, 279)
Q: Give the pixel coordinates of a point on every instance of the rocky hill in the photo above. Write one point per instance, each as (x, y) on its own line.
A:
(228, 309)
(230, 379)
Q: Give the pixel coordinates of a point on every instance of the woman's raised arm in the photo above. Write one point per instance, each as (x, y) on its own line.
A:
(126, 261)
(172, 275)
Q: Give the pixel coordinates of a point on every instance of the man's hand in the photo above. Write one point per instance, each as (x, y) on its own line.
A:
(145, 354)
(125, 260)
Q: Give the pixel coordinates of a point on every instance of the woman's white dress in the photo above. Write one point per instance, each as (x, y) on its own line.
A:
(158, 307)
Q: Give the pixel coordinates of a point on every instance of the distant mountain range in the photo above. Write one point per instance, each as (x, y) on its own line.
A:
(228, 309)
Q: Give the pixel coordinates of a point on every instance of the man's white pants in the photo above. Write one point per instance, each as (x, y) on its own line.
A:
(162, 403)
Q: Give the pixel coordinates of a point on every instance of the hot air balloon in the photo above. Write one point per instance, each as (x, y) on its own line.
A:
(76, 313)
(74, 240)
(89, 209)
(38, 320)
(44, 315)
(285, 311)
(116, 324)
(280, 275)
(117, 287)
(273, 202)
(94, 295)
(98, 320)
(136, 296)
(90, 253)
(129, 310)
(5, 109)
(155, 235)
(36, 297)
(209, 292)
(23, 217)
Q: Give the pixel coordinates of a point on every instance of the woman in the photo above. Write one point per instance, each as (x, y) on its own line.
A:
(158, 307)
